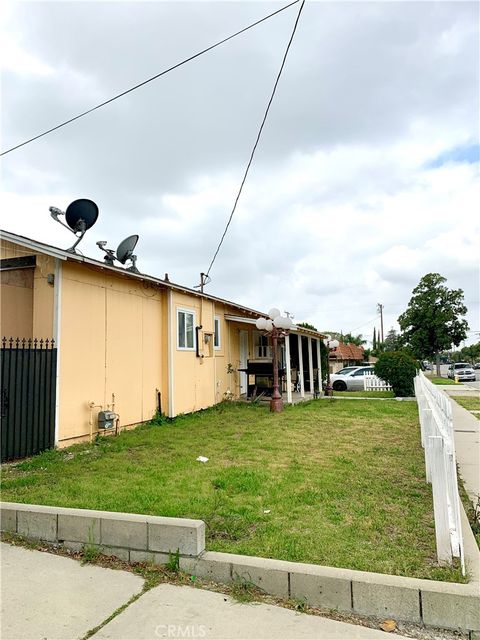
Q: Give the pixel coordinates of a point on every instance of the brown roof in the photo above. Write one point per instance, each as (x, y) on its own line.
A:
(348, 352)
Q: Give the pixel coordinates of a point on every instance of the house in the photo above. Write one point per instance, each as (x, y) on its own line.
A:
(345, 355)
(130, 343)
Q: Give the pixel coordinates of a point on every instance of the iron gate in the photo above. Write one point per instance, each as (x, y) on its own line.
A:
(29, 369)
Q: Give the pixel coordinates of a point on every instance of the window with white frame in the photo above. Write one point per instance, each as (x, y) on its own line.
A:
(263, 350)
(216, 335)
(185, 329)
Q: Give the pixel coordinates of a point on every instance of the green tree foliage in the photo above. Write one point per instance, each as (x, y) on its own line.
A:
(393, 342)
(432, 321)
(398, 369)
(374, 342)
(349, 338)
(307, 325)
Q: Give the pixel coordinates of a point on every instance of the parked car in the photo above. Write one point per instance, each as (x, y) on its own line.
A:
(345, 370)
(463, 371)
(476, 365)
(351, 381)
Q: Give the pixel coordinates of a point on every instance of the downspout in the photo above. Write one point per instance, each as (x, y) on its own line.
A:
(57, 323)
(170, 338)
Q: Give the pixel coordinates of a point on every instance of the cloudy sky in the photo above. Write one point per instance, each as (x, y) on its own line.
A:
(366, 177)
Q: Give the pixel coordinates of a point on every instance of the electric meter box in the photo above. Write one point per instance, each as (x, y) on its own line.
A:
(106, 419)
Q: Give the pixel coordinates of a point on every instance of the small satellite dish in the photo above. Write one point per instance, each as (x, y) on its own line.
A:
(125, 248)
(124, 252)
(80, 215)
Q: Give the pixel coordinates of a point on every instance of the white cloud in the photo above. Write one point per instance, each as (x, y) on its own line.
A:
(340, 210)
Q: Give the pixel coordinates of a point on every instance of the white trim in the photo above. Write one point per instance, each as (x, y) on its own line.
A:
(170, 339)
(57, 326)
(300, 367)
(310, 364)
(219, 320)
(194, 324)
(289, 370)
(319, 360)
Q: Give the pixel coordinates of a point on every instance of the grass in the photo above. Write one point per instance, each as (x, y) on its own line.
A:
(327, 482)
(469, 403)
(436, 380)
(364, 394)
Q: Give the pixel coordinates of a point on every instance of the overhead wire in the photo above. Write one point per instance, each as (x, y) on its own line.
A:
(151, 79)
(257, 139)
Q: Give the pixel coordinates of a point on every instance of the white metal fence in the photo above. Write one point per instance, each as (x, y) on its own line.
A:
(435, 411)
(373, 383)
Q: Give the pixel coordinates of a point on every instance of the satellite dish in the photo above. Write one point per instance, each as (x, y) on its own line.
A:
(80, 215)
(124, 252)
(125, 248)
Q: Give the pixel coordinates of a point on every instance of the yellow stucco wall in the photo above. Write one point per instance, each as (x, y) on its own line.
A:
(201, 382)
(27, 303)
(111, 343)
(114, 344)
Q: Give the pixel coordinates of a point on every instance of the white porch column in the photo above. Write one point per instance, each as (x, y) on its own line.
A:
(300, 366)
(289, 371)
(319, 356)
(310, 364)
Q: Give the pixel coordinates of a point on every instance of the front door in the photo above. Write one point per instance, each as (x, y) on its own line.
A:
(243, 361)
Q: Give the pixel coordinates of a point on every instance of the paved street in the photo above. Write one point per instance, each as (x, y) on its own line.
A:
(48, 597)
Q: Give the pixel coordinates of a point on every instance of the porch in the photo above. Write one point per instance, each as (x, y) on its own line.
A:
(299, 362)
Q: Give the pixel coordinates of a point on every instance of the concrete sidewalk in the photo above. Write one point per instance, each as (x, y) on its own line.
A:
(45, 596)
(170, 611)
(49, 597)
(467, 444)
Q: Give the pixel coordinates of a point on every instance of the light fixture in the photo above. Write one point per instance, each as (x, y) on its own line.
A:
(275, 326)
(331, 345)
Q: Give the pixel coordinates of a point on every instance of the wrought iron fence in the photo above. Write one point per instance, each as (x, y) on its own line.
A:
(28, 369)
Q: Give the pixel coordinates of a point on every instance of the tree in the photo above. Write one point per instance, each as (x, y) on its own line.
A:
(349, 338)
(393, 342)
(432, 321)
(307, 325)
(374, 342)
(397, 368)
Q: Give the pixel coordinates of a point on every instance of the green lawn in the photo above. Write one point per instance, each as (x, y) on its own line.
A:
(436, 380)
(329, 482)
(470, 403)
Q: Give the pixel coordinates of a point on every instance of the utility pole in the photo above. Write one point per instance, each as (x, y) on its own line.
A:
(380, 311)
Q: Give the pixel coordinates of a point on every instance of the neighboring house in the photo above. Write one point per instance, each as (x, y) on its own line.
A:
(345, 355)
(134, 343)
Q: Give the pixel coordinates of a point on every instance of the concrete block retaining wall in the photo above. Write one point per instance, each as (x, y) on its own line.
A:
(123, 534)
(138, 538)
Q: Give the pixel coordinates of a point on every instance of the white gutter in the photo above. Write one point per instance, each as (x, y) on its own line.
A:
(57, 326)
(170, 338)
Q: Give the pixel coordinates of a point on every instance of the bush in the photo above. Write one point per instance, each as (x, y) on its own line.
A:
(398, 369)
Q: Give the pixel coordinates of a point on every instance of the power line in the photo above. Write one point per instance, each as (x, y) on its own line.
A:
(155, 77)
(364, 324)
(258, 138)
